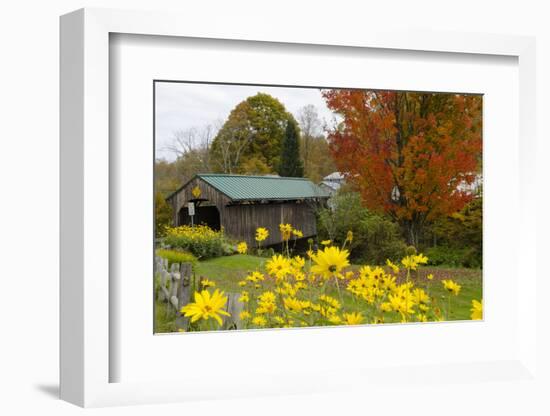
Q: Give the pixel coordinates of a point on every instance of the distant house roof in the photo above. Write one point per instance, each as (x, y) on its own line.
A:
(333, 181)
(334, 177)
(255, 188)
(332, 185)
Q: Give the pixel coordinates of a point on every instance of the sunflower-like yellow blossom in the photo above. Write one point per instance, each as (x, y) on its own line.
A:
(286, 231)
(278, 266)
(242, 247)
(409, 262)
(261, 234)
(206, 306)
(354, 318)
(266, 303)
(476, 310)
(421, 317)
(207, 283)
(297, 233)
(421, 259)
(329, 262)
(452, 287)
(298, 263)
(244, 315)
(255, 277)
(326, 242)
(295, 305)
(393, 266)
(330, 301)
(259, 321)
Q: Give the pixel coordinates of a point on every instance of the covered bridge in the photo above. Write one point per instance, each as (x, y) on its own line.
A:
(241, 203)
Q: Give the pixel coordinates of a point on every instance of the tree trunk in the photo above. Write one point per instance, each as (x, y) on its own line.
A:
(413, 233)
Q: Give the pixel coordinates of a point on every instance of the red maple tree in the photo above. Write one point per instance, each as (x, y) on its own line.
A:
(408, 154)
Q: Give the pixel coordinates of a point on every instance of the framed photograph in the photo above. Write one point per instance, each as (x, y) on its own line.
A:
(291, 210)
(301, 207)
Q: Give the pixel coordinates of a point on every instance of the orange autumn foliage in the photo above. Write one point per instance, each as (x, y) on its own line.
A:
(425, 144)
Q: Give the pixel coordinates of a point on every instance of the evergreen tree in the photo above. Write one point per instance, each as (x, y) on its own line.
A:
(291, 163)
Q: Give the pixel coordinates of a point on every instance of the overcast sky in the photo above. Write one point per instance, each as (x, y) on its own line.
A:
(180, 106)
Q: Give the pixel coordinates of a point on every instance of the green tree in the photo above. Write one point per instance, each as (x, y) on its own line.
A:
(254, 129)
(163, 214)
(319, 161)
(291, 163)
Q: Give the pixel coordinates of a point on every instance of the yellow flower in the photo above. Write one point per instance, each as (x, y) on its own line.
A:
(309, 253)
(242, 283)
(349, 275)
(330, 261)
(409, 262)
(386, 307)
(266, 303)
(286, 231)
(255, 277)
(297, 233)
(430, 277)
(279, 320)
(451, 286)
(207, 283)
(242, 247)
(278, 266)
(259, 321)
(261, 234)
(206, 306)
(354, 318)
(298, 262)
(326, 242)
(267, 297)
(422, 317)
(477, 310)
(420, 296)
(244, 315)
(244, 297)
(349, 236)
(330, 301)
(420, 259)
(293, 304)
(393, 266)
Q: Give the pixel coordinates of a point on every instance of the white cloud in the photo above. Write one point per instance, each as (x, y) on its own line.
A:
(180, 106)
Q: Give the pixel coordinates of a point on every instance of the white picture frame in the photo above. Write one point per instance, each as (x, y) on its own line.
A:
(85, 211)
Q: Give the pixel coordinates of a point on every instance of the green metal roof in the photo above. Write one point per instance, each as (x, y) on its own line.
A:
(246, 188)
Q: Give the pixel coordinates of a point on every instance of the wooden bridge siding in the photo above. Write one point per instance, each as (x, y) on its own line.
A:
(241, 221)
(207, 192)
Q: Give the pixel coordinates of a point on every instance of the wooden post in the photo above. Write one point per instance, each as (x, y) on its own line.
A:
(184, 288)
(234, 308)
(184, 293)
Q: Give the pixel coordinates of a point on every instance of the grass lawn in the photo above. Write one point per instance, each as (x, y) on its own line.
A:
(227, 271)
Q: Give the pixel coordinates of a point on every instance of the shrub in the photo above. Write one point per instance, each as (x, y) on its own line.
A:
(176, 256)
(375, 237)
(200, 240)
(163, 214)
(461, 234)
(454, 257)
